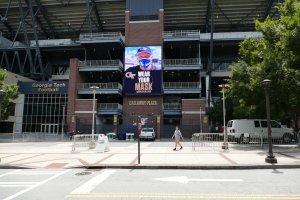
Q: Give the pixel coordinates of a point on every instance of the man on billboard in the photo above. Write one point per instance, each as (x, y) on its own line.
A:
(142, 70)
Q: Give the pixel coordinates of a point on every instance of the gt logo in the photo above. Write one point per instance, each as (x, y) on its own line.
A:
(130, 75)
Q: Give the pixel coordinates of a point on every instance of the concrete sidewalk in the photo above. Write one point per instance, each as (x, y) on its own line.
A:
(153, 155)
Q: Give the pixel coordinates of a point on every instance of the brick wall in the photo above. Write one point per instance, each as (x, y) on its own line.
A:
(191, 113)
(144, 33)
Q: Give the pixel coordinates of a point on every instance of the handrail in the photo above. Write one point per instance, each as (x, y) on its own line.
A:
(104, 36)
(182, 33)
(180, 62)
(181, 85)
(96, 63)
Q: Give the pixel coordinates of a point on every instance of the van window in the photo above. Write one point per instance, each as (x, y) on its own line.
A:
(229, 124)
(256, 124)
(264, 124)
(274, 124)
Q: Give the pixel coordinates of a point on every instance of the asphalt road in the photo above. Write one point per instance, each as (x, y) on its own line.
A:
(49, 184)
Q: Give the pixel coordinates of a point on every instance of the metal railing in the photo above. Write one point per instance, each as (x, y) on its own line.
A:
(112, 85)
(83, 140)
(97, 63)
(180, 62)
(182, 33)
(245, 141)
(100, 36)
(221, 67)
(172, 106)
(109, 106)
(181, 85)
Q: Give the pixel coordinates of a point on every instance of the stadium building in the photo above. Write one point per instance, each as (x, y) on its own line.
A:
(161, 60)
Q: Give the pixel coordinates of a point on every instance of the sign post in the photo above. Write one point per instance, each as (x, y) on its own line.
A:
(139, 129)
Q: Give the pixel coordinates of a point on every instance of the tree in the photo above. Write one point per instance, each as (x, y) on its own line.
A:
(10, 93)
(275, 56)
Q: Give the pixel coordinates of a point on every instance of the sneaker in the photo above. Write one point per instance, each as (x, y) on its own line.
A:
(181, 147)
(174, 149)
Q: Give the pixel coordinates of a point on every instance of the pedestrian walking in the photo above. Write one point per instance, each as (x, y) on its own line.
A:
(177, 135)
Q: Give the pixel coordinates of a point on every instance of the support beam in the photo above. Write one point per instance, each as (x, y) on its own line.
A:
(28, 3)
(268, 9)
(7, 25)
(100, 27)
(37, 48)
(207, 16)
(224, 14)
(27, 43)
(45, 15)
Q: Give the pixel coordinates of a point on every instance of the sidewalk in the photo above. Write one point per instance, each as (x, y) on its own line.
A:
(153, 155)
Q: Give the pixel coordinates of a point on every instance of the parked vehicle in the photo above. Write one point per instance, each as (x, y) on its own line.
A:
(243, 129)
(147, 133)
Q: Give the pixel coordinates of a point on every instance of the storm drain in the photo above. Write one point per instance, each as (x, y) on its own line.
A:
(83, 173)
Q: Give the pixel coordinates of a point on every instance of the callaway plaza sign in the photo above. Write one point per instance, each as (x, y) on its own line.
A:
(40, 87)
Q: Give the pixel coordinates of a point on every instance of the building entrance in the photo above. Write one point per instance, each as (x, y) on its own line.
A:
(52, 129)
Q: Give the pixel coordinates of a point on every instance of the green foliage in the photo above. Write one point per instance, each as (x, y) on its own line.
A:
(276, 56)
(10, 93)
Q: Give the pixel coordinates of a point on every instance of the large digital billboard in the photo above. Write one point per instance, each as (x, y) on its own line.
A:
(143, 70)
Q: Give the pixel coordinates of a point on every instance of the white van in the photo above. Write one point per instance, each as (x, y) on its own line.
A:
(239, 129)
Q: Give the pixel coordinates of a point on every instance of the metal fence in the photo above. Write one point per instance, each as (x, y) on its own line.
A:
(172, 106)
(109, 106)
(181, 85)
(182, 33)
(83, 140)
(180, 62)
(112, 85)
(97, 63)
(100, 36)
(216, 140)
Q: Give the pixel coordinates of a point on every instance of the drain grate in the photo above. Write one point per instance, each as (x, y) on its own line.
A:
(83, 173)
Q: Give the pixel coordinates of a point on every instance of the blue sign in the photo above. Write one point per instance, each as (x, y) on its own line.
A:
(143, 70)
(44, 87)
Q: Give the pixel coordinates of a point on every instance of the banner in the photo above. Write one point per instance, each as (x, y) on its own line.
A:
(143, 70)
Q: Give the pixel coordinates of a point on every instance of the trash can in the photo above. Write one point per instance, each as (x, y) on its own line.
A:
(102, 144)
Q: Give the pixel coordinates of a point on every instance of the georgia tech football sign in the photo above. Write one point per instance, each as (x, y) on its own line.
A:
(142, 73)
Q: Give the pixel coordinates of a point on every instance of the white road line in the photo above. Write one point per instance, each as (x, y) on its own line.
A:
(184, 179)
(36, 185)
(91, 184)
(30, 173)
(8, 173)
(18, 183)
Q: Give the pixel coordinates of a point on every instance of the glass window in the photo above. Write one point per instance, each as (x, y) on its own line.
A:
(256, 124)
(264, 124)
(274, 124)
(229, 124)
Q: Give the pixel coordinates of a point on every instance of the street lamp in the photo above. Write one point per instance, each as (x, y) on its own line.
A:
(1, 98)
(225, 143)
(270, 158)
(63, 122)
(92, 144)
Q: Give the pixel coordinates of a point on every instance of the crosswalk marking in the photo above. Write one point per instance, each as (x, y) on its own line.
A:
(31, 186)
(142, 195)
(91, 184)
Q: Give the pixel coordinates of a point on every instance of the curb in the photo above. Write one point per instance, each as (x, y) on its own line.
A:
(193, 167)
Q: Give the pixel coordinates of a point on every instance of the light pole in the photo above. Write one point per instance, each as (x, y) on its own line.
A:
(63, 123)
(200, 119)
(225, 143)
(1, 98)
(92, 144)
(270, 158)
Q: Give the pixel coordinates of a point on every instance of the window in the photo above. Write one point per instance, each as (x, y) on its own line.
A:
(274, 124)
(256, 124)
(264, 124)
(229, 124)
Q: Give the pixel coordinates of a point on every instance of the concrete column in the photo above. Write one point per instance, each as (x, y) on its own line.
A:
(19, 109)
